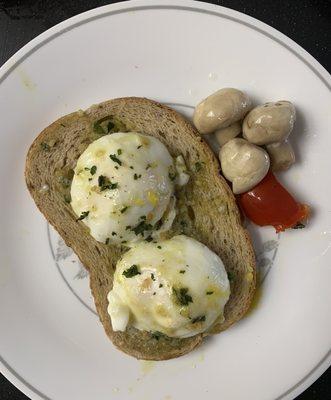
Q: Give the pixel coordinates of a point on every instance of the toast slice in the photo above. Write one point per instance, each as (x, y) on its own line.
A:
(207, 209)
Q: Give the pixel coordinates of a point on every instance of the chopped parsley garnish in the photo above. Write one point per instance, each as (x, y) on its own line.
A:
(131, 167)
(209, 293)
(141, 228)
(132, 271)
(124, 209)
(182, 271)
(83, 215)
(201, 318)
(116, 167)
(136, 176)
(119, 152)
(159, 247)
(138, 147)
(149, 239)
(93, 170)
(160, 285)
(157, 335)
(128, 227)
(107, 241)
(114, 234)
(182, 296)
(198, 166)
(158, 224)
(148, 166)
(172, 175)
(110, 126)
(115, 159)
(102, 130)
(153, 277)
(299, 225)
(104, 183)
(154, 293)
(143, 217)
(45, 146)
(65, 182)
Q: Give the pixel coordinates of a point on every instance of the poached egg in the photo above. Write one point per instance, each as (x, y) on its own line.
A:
(123, 186)
(177, 287)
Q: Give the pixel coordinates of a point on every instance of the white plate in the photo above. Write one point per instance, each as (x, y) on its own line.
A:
(52, 345)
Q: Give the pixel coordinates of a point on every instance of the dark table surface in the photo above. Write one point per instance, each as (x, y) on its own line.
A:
(308, 22)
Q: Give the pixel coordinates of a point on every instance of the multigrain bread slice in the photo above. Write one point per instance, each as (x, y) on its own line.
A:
(207, 209)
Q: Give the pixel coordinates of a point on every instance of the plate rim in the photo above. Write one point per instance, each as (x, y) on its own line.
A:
(184, 5)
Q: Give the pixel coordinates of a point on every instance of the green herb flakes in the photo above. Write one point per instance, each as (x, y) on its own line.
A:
(102, 127)
(107, 241)
(182, 296)
(104, 183)
(124, 209)
(45, 146)
(198, 166)
(119, 152)
(110, 126)
(209, 293)
(182, 271)
(172, 176)
(83, 215)
(152, 276)
(114, 158)
(157, 335)
(201, 318)
(93, 170)
(141, 228)
(136, 176)
(132, 271)
(299, 225)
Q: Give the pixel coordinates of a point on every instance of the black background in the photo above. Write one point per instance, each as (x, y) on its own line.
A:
(306, 22)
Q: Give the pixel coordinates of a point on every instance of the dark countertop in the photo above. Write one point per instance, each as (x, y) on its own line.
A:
(308, 22)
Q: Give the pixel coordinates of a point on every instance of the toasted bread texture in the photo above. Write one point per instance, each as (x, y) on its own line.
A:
(207, 209)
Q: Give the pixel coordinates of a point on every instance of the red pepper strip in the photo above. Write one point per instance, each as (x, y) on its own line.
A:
(269, 203)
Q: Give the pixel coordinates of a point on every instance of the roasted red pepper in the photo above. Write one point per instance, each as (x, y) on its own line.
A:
(269, 203)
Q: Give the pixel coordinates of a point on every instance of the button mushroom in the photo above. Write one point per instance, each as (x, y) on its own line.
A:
(244, 164)
(220, 110)
(281, 155)
(269, 123)
(225, 134)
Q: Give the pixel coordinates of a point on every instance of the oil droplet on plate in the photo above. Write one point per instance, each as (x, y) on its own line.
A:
(26, 81)
(147, 366)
